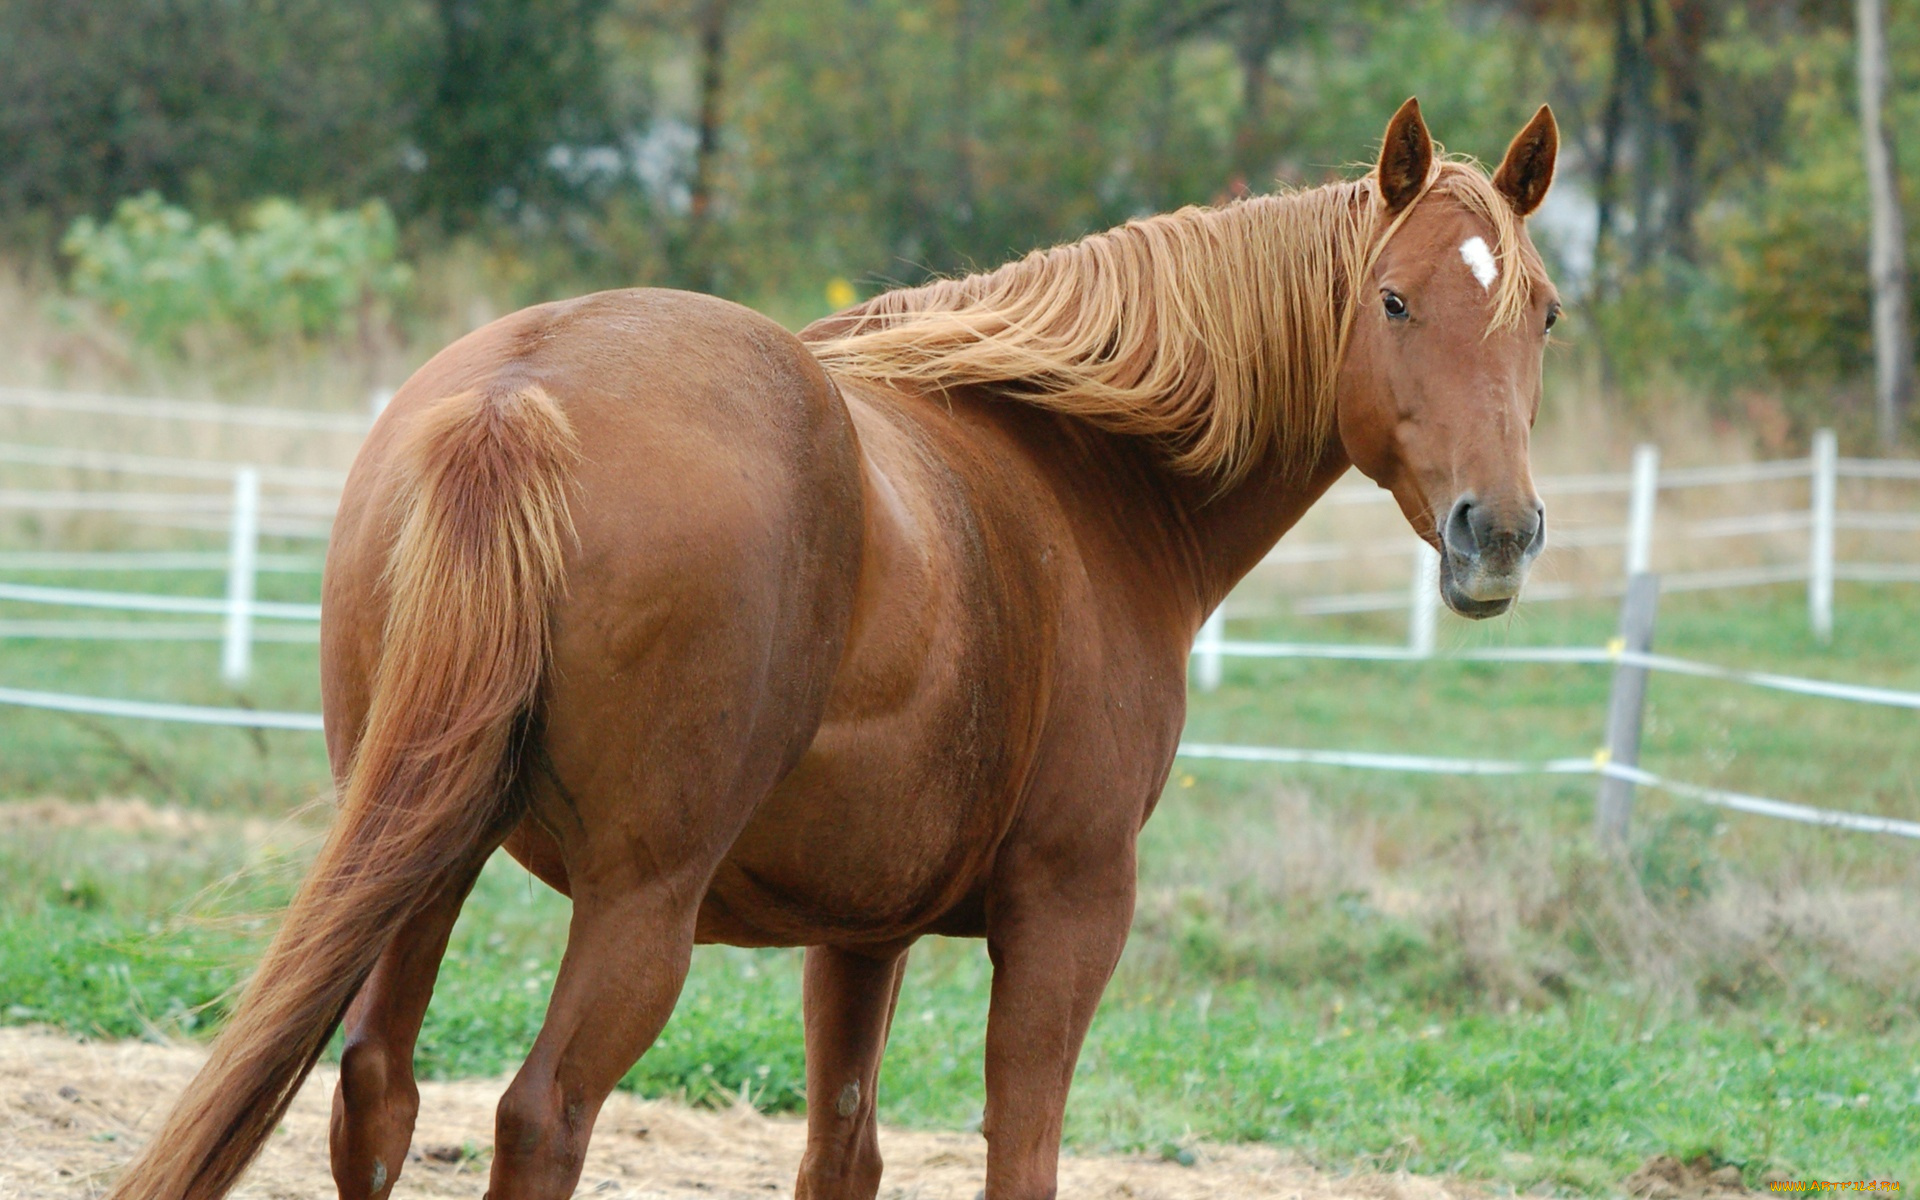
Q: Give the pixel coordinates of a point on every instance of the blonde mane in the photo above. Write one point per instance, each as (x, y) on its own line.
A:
(1214, 331)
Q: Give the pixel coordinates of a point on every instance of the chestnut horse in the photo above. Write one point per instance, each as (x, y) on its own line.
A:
(843, 640)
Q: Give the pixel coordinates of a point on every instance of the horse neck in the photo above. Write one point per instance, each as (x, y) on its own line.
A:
(1211, 536)
(1219, 536)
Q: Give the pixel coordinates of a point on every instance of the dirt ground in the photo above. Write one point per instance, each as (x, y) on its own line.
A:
(72, 1112)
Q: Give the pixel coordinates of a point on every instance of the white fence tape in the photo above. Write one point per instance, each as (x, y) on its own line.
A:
(183, 503)
(1892, 697)
(142, 602)
(1419, 764)
(1869, 572)
(152, 560)
(184, 410)
(161, 503)
(1877, 468)
(178, 468)
(191, 714)
(1593, 765)
(280, 527)
(147, 631)
(1762, 806)
(1780, 683)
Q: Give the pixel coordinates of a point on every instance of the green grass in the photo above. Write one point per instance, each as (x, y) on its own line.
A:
(1377, 970)
(44, 753)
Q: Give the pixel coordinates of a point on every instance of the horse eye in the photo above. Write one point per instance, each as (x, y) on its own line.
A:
(1553, 314)
(1396, 307)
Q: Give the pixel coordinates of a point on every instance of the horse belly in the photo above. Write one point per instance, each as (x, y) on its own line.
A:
(892, 816)
(878, 833)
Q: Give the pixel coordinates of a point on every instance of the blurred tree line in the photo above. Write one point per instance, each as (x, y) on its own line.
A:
(1711, 220)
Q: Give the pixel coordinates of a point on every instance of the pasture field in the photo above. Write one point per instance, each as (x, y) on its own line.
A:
(1379, 971)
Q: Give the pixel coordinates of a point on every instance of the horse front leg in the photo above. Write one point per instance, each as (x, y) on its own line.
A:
(1056, 924)
(850, 996)
(376, 1101)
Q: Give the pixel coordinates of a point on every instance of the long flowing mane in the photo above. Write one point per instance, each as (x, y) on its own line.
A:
(1213, 330)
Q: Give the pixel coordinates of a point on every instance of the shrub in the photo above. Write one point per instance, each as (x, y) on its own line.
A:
(291, 272)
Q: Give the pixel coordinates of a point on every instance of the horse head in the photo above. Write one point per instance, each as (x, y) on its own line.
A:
(1441, 379)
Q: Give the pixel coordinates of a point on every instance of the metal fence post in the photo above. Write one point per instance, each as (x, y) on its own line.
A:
(1424, 600)
(1614, 804)
(1207, 665)
(1640, 505)
(243, 553)
(1825, 466)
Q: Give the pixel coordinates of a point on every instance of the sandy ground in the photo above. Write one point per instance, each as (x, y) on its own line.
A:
(72, 1112)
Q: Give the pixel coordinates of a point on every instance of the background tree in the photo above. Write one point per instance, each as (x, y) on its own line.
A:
(207, 102)
(500, 85)
(1887, 257)
(1710, 217)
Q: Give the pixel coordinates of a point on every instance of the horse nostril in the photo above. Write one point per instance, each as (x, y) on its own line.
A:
(1539, 540)
(1459, 534)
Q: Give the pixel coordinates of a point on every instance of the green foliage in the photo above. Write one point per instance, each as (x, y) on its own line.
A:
(291, 272)
(933, 138)
(1792, 256)
(1771, 289)
(208, 101)
(881, 141)
(1672, 321)
(1675, 857)
(500, 83)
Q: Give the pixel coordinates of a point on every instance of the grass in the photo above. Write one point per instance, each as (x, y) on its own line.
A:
(43, 753)
(1377, 970)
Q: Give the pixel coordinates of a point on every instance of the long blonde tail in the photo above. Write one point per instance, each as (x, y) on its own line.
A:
(471, 578)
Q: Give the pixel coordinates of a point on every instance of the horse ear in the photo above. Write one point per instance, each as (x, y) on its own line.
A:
(1406, 155)
(1527, 170)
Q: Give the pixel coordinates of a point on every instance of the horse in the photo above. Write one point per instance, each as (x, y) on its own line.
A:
(845, 639)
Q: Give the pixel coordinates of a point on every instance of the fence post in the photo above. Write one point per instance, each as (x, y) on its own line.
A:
(1640, 505)
(243, 552)
(1212, 633)
(1625, 708)
(1424, 599)
(1825, 466)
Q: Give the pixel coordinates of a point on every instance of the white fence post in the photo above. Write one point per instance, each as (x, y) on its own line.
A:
(1424, 600)
(1640, 505)
(1825, 465)
(1212, 633)
(243, 552)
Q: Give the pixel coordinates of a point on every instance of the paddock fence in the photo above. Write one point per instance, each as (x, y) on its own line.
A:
(1787, 512)
(1615, 763)
(1791, 507)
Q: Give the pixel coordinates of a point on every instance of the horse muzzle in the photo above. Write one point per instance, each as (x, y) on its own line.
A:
(1486, 551)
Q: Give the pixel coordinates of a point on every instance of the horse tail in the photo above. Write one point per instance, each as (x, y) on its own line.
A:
(472, 575)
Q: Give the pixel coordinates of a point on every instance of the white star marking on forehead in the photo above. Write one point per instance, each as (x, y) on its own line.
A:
(1479, 259)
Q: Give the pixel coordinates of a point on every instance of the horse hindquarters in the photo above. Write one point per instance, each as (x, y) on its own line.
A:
(708, 593)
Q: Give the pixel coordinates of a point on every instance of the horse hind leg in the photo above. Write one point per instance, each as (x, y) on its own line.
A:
(627, 955)
(850, 997)
(376, 1101)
